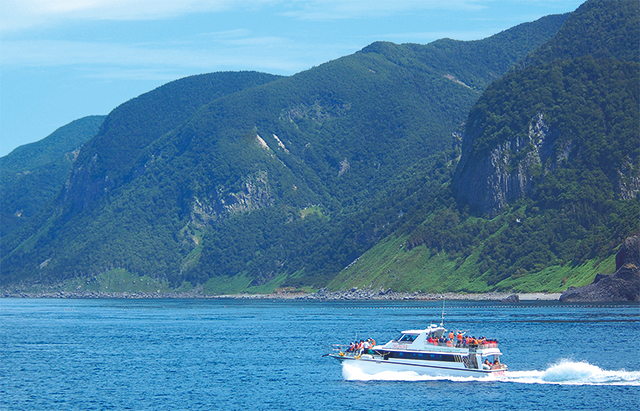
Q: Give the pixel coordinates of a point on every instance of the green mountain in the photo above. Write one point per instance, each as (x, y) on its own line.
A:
(547, 184)
(32, 175)
(266, 182)
(111, 158)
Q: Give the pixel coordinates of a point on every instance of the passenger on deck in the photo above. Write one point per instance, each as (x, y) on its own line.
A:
(486, 365)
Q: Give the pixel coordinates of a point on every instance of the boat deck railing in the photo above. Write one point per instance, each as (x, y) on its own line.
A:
(440, 347)
(489, 344)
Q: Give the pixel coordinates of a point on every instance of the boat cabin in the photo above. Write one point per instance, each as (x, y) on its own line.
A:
(415, 339)
(415, 345)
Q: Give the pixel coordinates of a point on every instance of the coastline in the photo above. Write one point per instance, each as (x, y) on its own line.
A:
(321, 295)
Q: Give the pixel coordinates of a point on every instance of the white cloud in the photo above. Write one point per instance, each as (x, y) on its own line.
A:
(24, 14)
(158, 60)
(350, 9)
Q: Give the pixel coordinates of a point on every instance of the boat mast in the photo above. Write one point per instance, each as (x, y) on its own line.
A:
(442, 317)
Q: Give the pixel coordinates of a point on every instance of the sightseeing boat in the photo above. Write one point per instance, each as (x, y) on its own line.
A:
(431, 352)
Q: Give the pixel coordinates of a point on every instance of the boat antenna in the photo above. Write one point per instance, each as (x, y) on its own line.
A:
(442, 318)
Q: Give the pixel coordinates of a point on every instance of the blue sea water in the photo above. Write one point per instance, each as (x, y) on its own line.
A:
(267, 355)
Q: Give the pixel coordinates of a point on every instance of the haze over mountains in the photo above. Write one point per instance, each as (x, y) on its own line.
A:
(506, 163)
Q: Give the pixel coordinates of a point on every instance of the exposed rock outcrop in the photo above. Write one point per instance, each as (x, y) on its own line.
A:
(491, 180)
(623, 285)
(629, 183)
(254, 195)
(513, 298)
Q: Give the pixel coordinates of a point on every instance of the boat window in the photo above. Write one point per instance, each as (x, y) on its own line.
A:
(407, 337)
(423, 356)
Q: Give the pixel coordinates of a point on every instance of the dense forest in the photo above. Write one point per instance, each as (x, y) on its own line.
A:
(360, 172)
(32, 175)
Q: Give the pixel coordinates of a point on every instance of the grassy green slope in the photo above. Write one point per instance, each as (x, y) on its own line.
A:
(392, 265)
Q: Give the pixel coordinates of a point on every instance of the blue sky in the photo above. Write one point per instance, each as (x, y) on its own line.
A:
(61, 60)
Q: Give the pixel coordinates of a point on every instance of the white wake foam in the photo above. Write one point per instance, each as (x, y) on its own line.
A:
(564, 372)
(575, 373)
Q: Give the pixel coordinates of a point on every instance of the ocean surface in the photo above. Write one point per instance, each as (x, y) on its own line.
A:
(267, 355)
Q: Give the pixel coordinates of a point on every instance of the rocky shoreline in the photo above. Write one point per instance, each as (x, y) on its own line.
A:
(354, 294)
(623, 285)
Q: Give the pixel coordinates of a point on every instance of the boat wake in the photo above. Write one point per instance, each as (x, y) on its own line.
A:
(564, 372)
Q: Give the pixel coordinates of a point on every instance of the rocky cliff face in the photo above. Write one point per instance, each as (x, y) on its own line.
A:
(629, 178)
(581, 83)
(623, 285)
(82, 187)
(491, 180)
(255, 194)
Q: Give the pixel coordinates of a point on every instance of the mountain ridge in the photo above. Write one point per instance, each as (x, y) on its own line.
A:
(32, 175)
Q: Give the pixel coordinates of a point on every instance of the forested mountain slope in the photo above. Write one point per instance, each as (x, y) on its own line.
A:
(111, 158)
(273, 184)
(547, 184)
(32, 175)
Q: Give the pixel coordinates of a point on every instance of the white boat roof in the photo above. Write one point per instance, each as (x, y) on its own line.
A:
(432, 327)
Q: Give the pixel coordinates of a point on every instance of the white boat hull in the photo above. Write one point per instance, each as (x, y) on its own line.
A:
(372, 366)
